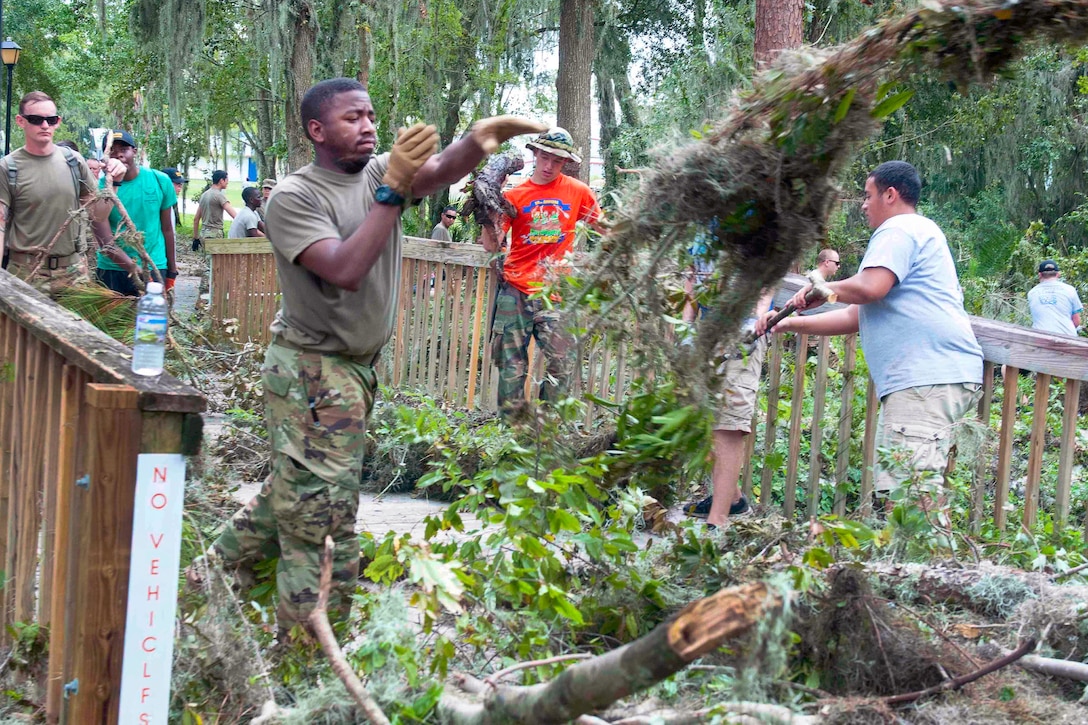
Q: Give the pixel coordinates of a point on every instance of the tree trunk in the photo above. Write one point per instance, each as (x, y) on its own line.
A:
(455, 98)
(299, 78)
(779, 25)
(362, 28)
(573, 84)
(606, 112)
(266, 136)
(596, 683)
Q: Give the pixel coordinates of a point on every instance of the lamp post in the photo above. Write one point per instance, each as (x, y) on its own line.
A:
(9, 53)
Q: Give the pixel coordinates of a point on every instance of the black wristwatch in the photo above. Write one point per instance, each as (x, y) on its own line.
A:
(385, 195)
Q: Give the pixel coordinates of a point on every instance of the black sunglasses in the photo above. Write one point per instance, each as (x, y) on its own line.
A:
(35, 120)
(450, 216)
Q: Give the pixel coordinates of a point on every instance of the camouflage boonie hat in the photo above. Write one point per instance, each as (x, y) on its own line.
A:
(268, 184)
(556, 141)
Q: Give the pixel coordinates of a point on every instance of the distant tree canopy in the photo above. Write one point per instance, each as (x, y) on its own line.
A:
(186, 75)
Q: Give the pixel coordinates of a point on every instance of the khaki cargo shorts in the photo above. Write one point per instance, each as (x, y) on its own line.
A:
(918, 426)
(740, 390)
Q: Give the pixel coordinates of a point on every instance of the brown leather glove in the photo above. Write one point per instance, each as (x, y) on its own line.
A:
(490, 133)
(412, 149)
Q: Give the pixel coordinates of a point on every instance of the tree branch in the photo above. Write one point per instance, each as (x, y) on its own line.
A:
(319, 621)
(954, 684)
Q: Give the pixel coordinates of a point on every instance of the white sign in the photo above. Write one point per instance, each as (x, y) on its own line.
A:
(152, 589)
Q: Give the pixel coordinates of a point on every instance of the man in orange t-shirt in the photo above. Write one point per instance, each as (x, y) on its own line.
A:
(549, 205)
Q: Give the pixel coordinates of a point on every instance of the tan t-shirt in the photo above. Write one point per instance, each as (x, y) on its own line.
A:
(211, 206)
(313, 204)
(44, 195)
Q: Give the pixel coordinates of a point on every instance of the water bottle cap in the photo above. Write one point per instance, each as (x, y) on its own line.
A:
(154, 288)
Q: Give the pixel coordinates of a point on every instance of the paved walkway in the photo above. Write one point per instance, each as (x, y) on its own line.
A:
(398, 512)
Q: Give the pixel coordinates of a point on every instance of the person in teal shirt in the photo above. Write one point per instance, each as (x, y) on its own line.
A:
(149, 198)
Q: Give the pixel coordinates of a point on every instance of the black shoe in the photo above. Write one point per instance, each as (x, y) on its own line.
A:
(197, 244)
(701, 509)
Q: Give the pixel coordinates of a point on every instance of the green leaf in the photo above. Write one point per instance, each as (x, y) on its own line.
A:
(891, 104)
(844, 106)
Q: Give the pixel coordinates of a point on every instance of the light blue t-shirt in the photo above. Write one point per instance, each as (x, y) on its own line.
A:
(919, 334)
(1053, 304)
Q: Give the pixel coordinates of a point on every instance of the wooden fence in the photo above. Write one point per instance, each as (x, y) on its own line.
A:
(442, 347)
(73, 420)
(243, 286)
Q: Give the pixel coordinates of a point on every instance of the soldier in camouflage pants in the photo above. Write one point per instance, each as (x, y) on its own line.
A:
(316, 408)
(517, 319)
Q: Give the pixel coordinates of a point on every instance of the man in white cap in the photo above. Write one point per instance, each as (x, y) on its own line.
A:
(549, 205)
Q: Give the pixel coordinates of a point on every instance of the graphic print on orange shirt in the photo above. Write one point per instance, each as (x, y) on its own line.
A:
(546, 220)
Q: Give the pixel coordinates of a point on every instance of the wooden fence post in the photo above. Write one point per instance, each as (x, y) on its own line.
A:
(1068, 447)
(796, 409)
(1004, 448)
(105, 540)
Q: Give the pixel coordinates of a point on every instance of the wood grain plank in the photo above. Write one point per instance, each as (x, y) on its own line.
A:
(1010, 375)
(1035, 452)
(815, 464)
(1066, 452)
(474, 363)
(868, 449)
(770, 433)
(846, 422)
(796, 410)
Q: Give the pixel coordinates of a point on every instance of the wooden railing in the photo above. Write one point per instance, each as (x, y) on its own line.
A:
(1052, 358)
(244, 288)
(442, 347)
(73, 420)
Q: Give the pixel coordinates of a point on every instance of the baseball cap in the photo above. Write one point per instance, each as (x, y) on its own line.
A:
(557, 141)
(174, 176)
(268, 184)
(1048, 265)
(118, 137)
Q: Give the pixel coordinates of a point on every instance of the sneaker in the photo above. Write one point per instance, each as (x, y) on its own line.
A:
(197, 245)
(701, 509)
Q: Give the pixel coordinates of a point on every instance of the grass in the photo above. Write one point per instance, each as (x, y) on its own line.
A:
(192, 195)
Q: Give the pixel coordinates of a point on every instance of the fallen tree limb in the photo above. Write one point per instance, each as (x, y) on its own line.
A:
(762, 711)
(588, 686)
(319, 621)
(1050, 666)
(954, 684)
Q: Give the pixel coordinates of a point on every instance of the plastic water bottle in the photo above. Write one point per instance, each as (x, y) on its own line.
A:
(149, 347)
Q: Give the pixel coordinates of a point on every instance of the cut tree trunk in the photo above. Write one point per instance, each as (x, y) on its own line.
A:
(596, 683)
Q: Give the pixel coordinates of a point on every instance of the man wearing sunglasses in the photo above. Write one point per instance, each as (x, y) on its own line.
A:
(441, 231)
(41, 184)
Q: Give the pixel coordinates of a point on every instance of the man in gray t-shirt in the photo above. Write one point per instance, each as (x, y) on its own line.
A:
(907, 303)
(441, 231)
(248, 223)
(209, 211)
(1055, 305)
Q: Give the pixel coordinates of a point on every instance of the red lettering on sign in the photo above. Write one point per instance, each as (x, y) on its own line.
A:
(151, 618)
(159, 475)
(156, 543)
(144, 694)
(145, 719)
(153, 592)
(158, 501)
(144, 647)
(147, 675)
(154, 567)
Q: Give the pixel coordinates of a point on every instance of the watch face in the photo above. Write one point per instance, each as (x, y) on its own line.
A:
(385, 195)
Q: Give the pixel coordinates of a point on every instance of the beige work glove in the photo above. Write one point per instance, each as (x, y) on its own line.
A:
(412, 149)
(490, 133)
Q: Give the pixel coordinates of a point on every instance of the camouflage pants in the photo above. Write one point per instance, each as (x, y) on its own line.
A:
(52, 281)
(316, 408)
(517, 320)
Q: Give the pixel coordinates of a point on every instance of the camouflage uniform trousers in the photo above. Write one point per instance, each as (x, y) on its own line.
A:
(51, 282)
(316, 408)
(517, 320)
